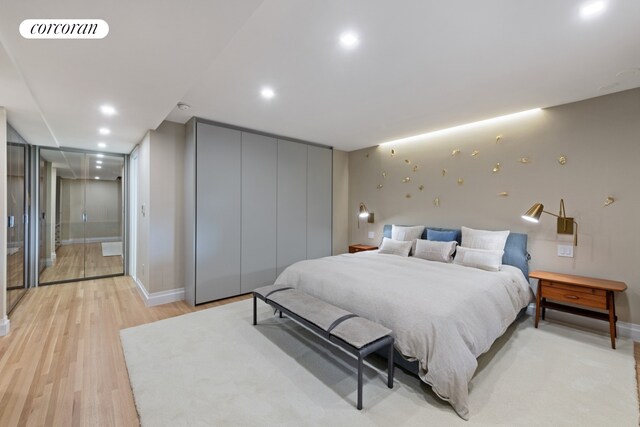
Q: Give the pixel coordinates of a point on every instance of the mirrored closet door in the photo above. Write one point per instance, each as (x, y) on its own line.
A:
(17, 221)
(81, 212)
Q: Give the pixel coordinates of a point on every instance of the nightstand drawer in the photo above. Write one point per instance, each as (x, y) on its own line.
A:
(581, 298)
(573, 288)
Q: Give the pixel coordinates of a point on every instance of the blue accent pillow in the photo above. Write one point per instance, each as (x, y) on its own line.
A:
(442, 236)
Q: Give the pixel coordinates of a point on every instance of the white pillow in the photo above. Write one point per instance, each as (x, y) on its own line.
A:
(394, 247)
(411, 234)
(483, 239)
(490, 260)
(435, 251)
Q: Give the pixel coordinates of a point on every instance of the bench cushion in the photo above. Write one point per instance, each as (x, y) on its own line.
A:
(359, 331)
(356, 331)
(309, 308)
(264, 291)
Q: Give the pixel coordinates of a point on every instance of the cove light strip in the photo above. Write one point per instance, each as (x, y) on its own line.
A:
(440, 132)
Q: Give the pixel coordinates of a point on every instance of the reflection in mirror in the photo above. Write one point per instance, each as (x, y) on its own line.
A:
(16, 229)
(82, 214)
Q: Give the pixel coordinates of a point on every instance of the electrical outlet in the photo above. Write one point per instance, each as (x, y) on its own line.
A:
(565, 251)
(371, 235)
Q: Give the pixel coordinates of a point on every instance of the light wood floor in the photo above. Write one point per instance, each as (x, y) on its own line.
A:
(80, 260)
(636, 348)
(62, 363)
(15, 277)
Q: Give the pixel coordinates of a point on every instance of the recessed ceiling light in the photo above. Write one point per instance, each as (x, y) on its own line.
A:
(267, 93)
(98, 162)
(97, 177)
(104, 131)
(102, 144)
(100, 155)
(349, 39)
(184, 107)
(592, 8)
(98, 167)
(107, 110)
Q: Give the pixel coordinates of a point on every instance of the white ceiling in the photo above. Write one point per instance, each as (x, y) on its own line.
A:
(74, 165)
(421, 65)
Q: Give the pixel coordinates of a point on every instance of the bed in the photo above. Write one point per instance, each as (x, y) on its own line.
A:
(442, 315)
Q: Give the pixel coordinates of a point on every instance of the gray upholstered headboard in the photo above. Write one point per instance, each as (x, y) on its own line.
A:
(515, 250)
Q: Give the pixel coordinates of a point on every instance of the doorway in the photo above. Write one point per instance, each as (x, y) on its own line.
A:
(81, 215)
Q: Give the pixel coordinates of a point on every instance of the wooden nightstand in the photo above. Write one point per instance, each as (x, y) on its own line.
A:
(360, 248)
(581, 291)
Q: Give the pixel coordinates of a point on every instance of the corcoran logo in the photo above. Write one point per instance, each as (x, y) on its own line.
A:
(64, 29)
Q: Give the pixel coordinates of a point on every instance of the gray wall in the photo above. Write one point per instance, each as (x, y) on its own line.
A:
(340, 202)
(142, 227)
(600, 138)
(160, 189)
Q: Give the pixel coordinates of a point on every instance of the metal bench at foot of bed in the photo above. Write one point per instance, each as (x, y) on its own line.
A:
(354, 334)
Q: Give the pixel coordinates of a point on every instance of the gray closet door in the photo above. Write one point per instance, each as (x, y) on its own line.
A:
(292, 203)
(189, 218)
(218, 213)
(259, 185)
(319, 201)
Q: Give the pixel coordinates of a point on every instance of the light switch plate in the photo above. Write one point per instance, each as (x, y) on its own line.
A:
(565, 251)
(371, 235)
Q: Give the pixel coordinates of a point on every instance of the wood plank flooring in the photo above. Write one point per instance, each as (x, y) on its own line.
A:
(81, 260)
(636, 350)
(62, 363)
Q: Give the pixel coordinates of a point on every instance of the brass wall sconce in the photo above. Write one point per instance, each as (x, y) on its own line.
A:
(565, 223)
(363, 212)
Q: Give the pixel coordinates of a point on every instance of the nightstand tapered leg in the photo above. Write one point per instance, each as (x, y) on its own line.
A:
(538, 298)
(612, 318)
(615, 320)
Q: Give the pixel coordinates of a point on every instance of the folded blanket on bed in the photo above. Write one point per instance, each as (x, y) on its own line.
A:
(443, 315)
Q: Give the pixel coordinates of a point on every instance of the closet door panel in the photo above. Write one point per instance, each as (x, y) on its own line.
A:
(292, 203)
(319, 201)
(259, 191)
(218, 227)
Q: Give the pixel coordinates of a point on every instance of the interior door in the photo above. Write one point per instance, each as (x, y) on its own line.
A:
(103, 248)
(81, 213)
(43, 189)
(218, 226)
(63, 226)
(17, 221)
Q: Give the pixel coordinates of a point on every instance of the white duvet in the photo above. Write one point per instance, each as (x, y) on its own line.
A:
(443, 315)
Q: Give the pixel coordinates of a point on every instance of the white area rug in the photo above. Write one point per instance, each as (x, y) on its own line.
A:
(213, 368)
(111, 248)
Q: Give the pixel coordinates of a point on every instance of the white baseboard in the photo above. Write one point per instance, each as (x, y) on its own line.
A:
(4, 326)
(91, 240)
(626, 330)
(159, 298)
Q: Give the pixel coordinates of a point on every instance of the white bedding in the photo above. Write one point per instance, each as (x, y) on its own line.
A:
(443, 315)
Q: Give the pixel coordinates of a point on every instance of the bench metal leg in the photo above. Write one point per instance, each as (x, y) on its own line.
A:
(281, 314)
(255, 313)
(390, 368)
(360, 366)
